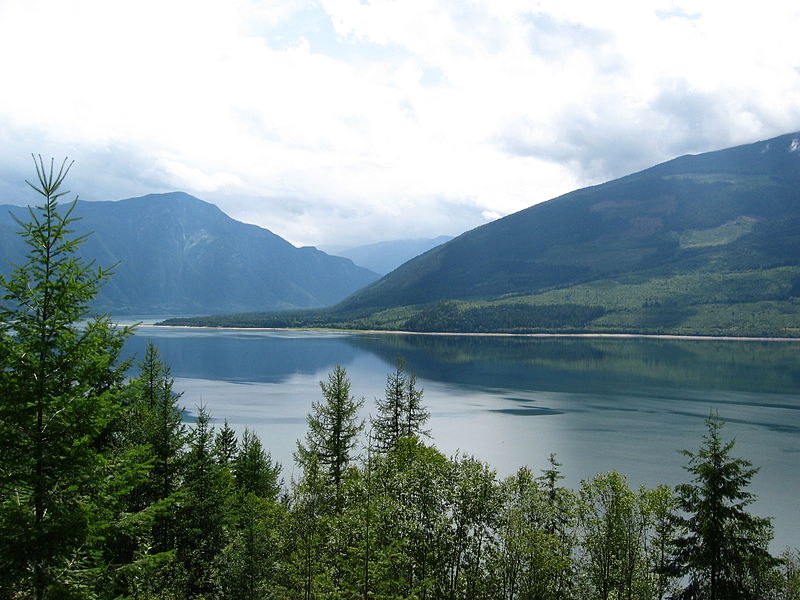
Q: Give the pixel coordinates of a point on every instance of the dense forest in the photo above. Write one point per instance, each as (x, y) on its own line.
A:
(106, 492)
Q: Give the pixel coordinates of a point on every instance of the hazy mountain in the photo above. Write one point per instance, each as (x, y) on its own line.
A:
(178, 254)
(707, 243)
(384, 257)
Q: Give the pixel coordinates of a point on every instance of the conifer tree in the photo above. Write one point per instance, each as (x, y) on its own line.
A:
(156, 420)
(254, 470)
(204, 508)
(400, 413)
(60, 391)
(333, 428)
(226, 447)
(724, 552)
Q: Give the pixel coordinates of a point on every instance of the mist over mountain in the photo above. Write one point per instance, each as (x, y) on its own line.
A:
(383, 257)
(176, 254)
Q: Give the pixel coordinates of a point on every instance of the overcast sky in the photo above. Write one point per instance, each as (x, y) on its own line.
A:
(340, 122)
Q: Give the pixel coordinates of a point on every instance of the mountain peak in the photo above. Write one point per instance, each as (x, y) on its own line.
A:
(177, 254)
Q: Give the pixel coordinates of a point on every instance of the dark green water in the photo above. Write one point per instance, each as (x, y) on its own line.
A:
(600, 404)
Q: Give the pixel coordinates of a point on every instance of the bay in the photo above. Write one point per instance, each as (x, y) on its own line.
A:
(600, 404)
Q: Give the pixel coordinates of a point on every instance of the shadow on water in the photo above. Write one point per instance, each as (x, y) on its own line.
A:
(235, 356)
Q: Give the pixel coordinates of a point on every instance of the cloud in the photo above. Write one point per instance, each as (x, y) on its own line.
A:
(379, 119)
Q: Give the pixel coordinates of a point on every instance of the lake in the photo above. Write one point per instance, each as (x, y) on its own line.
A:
(599, 403)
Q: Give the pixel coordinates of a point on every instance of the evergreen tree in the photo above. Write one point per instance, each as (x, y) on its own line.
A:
(400, 413)
(333, 429)
(723, 553)
(155, 420)
(203, 513)
(254, 470)
(226, 447)
(60, 391)
(308, 530)
(246, 567)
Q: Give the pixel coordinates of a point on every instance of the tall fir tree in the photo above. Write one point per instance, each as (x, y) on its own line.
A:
(333, 428)
(204, 509)
(226, 446)
(60, 391)
(155, 419)
(254, 469)
(401, 413)
(724, 551)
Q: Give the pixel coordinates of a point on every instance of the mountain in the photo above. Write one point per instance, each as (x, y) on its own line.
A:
(176, 254)
(384, 257)
(702, 244)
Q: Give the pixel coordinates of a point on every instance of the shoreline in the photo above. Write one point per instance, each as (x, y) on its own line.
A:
(657, 336)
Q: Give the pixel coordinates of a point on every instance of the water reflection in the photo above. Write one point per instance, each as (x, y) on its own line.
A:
(600, 404)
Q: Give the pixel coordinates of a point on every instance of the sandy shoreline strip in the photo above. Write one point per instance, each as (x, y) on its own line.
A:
(655, 336)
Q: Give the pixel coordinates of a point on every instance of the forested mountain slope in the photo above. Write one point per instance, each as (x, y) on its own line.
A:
(729, 211)
(705, 244)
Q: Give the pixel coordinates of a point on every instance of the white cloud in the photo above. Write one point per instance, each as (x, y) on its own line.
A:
(386, 119)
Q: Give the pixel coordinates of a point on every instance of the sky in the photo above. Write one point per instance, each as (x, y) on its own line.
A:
(335, 123)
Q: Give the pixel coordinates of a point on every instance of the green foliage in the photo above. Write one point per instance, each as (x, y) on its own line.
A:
(614, 524)
(247, 566)
(226, 447)
(788, 584)
(203, 511)
(60, 392)
(400, 413)
(333, 427)
(724, 551)
(104, 494)
(254, 470)
(154, 420)
(535, 538)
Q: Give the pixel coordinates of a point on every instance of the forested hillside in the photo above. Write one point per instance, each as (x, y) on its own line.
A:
(706, 244)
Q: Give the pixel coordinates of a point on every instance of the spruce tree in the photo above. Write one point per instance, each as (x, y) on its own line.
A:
(204, 509)
(226, 447)
(400, 413)
(333, 428)
(723, 554)
(254, 469)
(155, 420)
(60, 391)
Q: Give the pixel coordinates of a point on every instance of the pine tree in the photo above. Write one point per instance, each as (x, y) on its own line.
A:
(723, 553)
(226, 446)
(156, 420)
(60, 391)
(333, 428)
(203, 512)
(254, 470)
(400, 413)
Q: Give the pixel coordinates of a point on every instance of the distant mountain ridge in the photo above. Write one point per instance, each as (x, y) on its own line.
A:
(703, 244)
(384, 257)
(176, 254)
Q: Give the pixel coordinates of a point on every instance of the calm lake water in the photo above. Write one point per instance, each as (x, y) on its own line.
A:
(599, 404)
